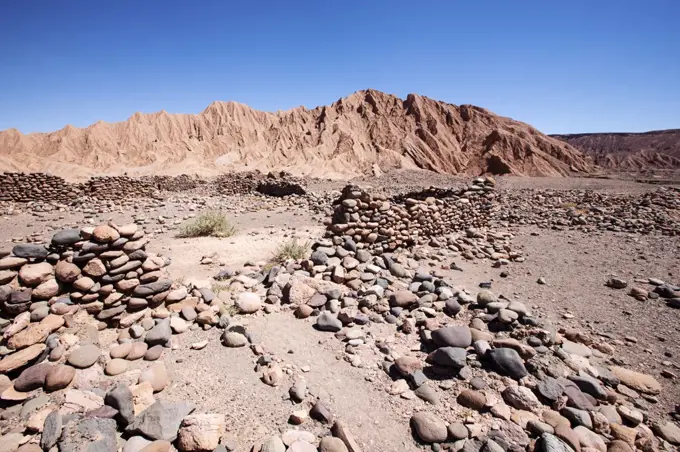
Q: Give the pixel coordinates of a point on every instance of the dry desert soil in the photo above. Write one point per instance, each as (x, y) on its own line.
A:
(573, 267)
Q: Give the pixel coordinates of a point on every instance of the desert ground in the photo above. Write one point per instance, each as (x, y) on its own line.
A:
(561, 278)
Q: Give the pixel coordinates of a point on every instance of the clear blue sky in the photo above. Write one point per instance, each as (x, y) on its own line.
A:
(562, 66)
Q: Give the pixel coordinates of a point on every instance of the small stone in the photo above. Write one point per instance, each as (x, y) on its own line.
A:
(521, 398)
(84, 356)
(472, 399)
(116, 367)
(328, 322)
(429, 428)
(157, 375)
(200, 432)
(331, 444)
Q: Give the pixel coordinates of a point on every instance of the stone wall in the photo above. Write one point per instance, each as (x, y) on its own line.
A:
(27, 187)
(104, 270)
(382, 223)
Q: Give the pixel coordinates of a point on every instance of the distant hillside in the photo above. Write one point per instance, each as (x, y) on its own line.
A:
(659, 149)
(365, 133)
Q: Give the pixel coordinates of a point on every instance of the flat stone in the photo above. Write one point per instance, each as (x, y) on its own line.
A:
(66, 237)
(161, 421)
(84, 356)
(636, 380)
(51, 430)
(668, 431)
(551, 443)
(116, 367)
(452, 336)
(91, 434)
(30, 251)
(273, 444)
(521, 398)
(21, 358)
(588, 438)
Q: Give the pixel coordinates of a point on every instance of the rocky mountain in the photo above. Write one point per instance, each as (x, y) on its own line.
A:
(365, 133)
(659, 149)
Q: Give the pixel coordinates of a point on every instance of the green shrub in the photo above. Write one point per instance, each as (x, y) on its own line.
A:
(291, 249)
(212, 223)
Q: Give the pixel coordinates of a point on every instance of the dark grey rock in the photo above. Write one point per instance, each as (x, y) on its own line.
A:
(508, 362)
(153, 288)
(455, 357)
(589, 385)
(51, 430)
(66, 237)
(452, 307)
(328, 322)
(89, 435)
(550, 389)
(551, 443)
(120, 398)
(452, 336)
(30, 251)
(159, 334)
(161, 420)
(319, 258)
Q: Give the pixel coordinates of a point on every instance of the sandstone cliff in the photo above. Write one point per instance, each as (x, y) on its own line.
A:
(364, 133)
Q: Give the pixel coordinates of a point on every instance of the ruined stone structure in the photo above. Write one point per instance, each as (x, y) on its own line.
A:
(413, 218)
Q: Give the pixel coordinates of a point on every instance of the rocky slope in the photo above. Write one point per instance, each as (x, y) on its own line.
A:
(365, 133)
(659, 149)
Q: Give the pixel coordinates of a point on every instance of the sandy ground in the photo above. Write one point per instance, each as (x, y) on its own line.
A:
(218, 379)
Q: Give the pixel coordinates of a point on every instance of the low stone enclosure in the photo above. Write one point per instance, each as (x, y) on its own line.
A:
(27, 187)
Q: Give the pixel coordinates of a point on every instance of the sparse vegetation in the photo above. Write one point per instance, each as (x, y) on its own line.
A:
(291, 249)
(217, 288)
(212, 223)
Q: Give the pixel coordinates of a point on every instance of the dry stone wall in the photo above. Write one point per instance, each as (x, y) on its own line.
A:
(104, 270)
(27, 187)
(382, 223)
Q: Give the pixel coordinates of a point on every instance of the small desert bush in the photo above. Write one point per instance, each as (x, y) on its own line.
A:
(212, 223)
(291, 249)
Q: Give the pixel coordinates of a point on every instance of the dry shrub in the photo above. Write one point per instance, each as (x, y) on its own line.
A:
(212, 223)
(291, 249)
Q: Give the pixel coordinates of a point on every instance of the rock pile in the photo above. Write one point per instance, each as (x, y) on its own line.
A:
(28, 187)
(21, 187)
(652, 212)
(378, 223)
(47, 292)
(282, 184)
(519, 382)
(104, 270)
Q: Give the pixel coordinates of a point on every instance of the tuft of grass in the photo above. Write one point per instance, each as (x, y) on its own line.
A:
(217, 288)
(291, 249)
(212, 223)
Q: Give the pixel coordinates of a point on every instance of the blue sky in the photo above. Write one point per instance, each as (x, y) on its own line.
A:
(562, 66)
